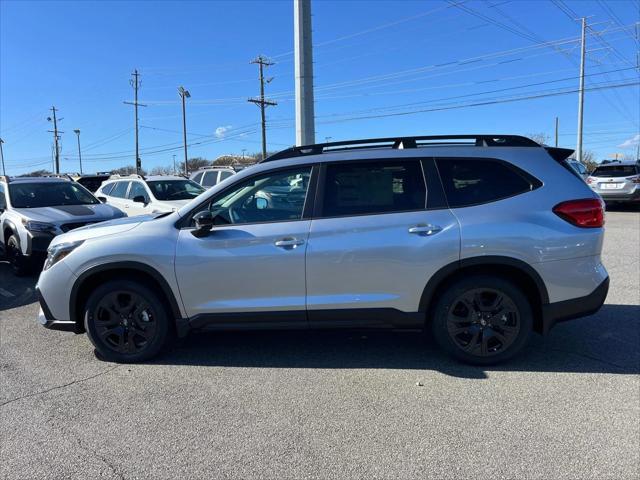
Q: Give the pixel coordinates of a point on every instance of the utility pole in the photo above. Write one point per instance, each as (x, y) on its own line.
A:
(581, 92)
(262, 102)
(303, 55)
(174, 165)
(135, 83)
(55, 138)
(556, 132)
(4, 172)
(184, 94)
(77, 132)
(243, 150)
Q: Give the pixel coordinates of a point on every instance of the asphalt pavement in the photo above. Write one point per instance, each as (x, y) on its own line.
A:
(328, 405)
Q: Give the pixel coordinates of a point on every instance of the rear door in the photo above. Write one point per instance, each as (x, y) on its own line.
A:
(117, 195)
(377, 236)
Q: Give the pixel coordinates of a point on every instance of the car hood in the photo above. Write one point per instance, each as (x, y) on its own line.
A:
(112, 227)
(62, 214)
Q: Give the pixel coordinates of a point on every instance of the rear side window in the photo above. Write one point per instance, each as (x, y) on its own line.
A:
(209, 179)
(120, 190)
(615, 171)
(358, 188)
(107, 188)
(197, 177)
(475, 181)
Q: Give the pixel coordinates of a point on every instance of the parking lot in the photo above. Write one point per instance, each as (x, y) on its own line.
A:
(329, 404)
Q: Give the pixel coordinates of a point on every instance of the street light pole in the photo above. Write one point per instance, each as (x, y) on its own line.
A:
(175, 172)
(184, 94)
(77, 132)
(4, 172)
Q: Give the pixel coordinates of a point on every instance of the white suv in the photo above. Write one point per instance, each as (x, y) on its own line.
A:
(481, 239)
(211, 176)
(137, 195)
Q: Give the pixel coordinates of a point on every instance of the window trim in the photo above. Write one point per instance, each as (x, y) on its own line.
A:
(534, 183)
(307, 208)
(318, 213)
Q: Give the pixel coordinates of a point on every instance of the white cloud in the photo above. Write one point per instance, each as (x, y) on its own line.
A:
(222, 131)
(632, 142)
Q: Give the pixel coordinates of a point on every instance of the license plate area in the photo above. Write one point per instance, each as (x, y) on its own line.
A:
(611, 186)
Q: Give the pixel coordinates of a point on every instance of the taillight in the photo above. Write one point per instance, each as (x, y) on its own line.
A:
(590, 180)
(635, 179)
(586, 213)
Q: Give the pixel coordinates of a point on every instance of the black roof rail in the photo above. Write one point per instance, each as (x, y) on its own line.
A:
(405, 142)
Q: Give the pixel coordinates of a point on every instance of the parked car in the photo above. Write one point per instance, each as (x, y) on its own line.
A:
(93, 182)
(617, 182)
(137, 195)
(481, 239)
(211, 176)
(579, 168)
(33, 210)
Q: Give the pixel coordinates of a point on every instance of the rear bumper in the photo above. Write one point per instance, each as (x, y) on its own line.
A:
(633, 196)
(553, 313)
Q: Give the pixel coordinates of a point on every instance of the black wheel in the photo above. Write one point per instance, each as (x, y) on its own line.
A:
(20, 264)
(127, 322)
(482, 320)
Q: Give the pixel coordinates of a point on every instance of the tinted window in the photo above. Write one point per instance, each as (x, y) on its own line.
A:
(224, 174)
(107, 188)
(475, 181)
(209, 179)
(41, 194)
(120, 189)
(3, 201)
(272, 197)
(358, 188)
(197, 177)
(615, 171)
(92, 183)
(137, 190)
(175, 189)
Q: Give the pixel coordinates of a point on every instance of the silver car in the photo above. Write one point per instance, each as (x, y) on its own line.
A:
(617, 182)
(480, 239)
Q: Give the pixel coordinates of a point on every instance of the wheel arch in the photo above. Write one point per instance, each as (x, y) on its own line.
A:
(522, 274)
(98, 274)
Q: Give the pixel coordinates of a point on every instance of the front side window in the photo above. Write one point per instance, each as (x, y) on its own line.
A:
(120, 190)
(358, 188)
(42, 194)
(168, 190)
(224, 174)
(272, 197)
(472, 181)
(137, 190)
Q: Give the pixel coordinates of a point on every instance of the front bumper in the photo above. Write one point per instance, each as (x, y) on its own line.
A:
(553, 313)
(46, 319)
(37, 243)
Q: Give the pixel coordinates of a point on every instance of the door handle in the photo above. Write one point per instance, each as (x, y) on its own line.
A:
(288, 243)
(425, 230)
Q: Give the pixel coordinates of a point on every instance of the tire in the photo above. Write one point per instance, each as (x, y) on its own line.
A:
(127, 322)
(482, 320)
(20, 264)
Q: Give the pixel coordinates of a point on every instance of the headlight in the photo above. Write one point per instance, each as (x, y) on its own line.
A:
(39, 226)
(59, 251)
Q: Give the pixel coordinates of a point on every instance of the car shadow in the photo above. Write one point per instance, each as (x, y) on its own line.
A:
(606, 342)
(16, 291)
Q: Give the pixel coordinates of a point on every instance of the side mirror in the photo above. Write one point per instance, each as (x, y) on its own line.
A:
(140, 199)
(103, 199)
(204, 223)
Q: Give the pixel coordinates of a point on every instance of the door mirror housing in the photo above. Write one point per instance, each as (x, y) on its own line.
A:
(140, 199)
(203, 222)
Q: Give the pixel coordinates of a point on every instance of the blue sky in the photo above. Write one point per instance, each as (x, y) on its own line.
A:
(382, 68)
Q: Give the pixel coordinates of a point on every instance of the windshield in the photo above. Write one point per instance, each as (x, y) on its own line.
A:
(45, 194)
(615, 171)
(167, 190)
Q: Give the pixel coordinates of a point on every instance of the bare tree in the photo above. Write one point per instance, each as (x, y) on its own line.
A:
(541, 138)
(195, 164)
(128, 170)
(167, 170)
(36, 173)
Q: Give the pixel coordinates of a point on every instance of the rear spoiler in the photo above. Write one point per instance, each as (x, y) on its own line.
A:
(558, 154)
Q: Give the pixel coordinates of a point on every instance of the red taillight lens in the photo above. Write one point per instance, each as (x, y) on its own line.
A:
(590, 180)
(586, 213)
(635, 179)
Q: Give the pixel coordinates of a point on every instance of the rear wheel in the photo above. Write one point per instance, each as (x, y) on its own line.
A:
(127, 322)
(20, 264)
(482, 320)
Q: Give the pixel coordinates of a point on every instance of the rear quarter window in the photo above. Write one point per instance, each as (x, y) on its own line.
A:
(475, 181)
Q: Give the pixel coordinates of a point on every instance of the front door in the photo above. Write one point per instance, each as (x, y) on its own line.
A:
(137, 189)
(250, 268)
(375, 242)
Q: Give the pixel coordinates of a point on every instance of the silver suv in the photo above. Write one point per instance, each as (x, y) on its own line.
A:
(617, 182)
(211, 176)
(481, 239)
(33, 210)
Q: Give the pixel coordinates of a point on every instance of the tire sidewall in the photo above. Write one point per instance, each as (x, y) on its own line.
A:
(163, 328)
(440, 313)
(19, 263)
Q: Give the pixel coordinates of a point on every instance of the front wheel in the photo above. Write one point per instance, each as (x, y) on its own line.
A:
(482, 320)
(127, 322)
(20, 264)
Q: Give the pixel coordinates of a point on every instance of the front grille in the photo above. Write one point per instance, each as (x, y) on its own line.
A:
(70, 226)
